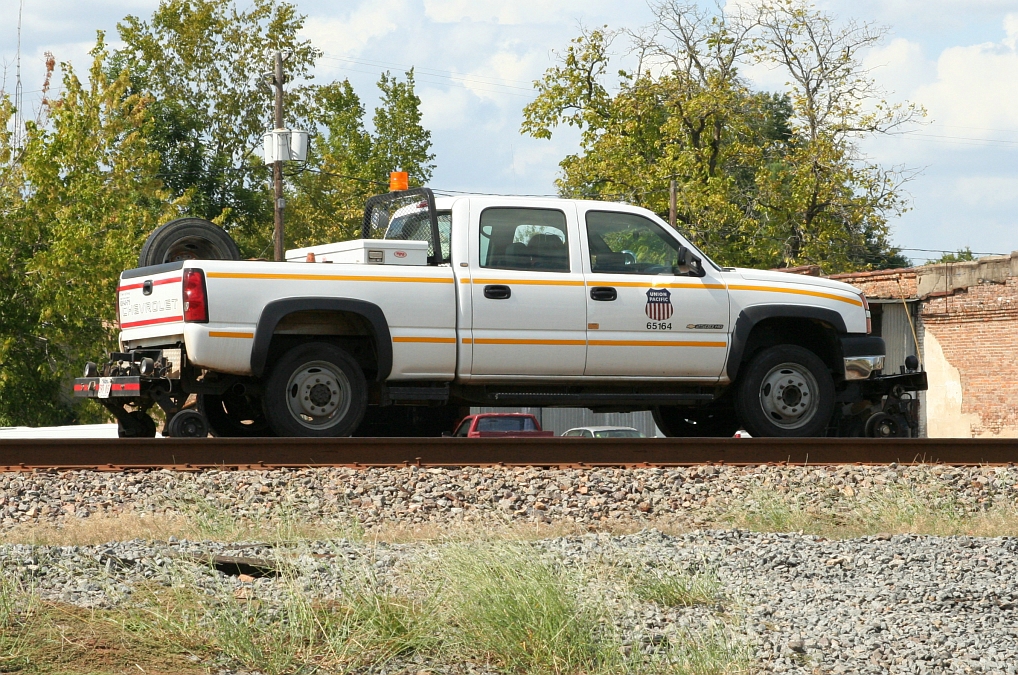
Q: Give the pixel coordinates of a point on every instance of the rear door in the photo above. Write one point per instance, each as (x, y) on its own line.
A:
(645, 318)
(527, 291)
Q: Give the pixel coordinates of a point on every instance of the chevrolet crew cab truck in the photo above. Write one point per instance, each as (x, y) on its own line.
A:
(493, 301)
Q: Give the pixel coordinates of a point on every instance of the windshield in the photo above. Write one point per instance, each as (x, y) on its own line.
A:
(506, 424)
(618, 433)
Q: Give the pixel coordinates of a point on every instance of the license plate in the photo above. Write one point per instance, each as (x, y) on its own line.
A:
(105, 384)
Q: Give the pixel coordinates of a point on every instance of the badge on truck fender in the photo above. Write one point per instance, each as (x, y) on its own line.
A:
(659, 304)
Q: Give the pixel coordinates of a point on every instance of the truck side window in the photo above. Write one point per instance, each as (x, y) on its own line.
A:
(625, 243)
(464, 428)
(524, 239)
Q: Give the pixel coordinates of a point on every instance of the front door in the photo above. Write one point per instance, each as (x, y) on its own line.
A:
(527, 292)
(645, 317)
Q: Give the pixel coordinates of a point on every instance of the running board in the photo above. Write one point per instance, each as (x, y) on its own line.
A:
(546, 398)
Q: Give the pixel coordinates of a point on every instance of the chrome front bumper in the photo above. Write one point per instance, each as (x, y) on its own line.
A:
(861, 367)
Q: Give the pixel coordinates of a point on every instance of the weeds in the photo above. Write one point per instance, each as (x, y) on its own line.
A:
(675, 589)
(522, 613)
(16, 608)
(890, 510)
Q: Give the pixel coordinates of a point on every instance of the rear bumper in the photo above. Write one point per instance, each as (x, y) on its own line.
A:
(107, 387)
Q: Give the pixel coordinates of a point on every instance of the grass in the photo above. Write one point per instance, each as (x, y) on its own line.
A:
(522, 614)
(889, 510)
(498, 604)
(671, 588)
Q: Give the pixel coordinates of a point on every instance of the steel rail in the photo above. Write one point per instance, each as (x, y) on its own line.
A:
(274, 453)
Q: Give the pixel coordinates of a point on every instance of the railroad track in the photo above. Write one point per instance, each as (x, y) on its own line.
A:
(274, 453)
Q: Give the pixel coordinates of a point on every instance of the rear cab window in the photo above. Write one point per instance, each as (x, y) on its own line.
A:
(524, 239)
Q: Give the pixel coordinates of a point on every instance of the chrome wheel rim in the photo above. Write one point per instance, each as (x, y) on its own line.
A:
(788, 396)
(318, 395)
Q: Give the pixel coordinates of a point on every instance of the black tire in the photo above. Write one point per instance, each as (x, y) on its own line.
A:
(187, 424)
(234, 414)
(187, 239)
(676, 421)
(409, 421)
(785, 391)
(316, 389)
(141, 426)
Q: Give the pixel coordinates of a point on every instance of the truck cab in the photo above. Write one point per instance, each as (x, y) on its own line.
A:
(483, 300)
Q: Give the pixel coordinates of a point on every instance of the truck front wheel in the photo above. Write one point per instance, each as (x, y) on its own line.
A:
(315, 389)
(786, 391)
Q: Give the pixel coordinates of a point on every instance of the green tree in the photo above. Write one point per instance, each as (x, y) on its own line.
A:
(84, 193)
(961, 255)
(763, 179)
(351, 163)
(201, 61)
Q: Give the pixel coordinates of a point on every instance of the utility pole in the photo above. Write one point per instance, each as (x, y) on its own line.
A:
(277, 166)
(672, 202)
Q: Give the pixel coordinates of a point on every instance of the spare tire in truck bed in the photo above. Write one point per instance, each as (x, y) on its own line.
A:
(187, 239)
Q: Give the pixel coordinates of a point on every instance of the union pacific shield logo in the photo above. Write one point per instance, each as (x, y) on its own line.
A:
(659, 304)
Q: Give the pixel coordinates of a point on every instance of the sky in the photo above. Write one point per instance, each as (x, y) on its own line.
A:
(476, 60)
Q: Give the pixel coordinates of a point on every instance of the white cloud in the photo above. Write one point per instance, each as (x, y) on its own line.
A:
(350, 35)
(974, 86)
(900, 67)
(508, 12)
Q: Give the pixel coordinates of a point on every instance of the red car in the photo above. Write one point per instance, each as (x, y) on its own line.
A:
(500, 425)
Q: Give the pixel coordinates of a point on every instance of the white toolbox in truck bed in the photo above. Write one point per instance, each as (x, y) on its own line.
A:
(365, 251)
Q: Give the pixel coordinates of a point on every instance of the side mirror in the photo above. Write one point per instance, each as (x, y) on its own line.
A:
(696, 266)
(687, 263)
(446, 434)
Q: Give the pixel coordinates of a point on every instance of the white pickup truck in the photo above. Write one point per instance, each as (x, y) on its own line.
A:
(494, 301)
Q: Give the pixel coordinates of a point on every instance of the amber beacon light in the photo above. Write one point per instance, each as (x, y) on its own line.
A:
(399, 180)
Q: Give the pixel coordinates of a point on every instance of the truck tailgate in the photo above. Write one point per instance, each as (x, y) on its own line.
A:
(150, 302)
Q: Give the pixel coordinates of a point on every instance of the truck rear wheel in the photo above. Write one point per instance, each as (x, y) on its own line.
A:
(315, 389)
(187, 239)
(785, 391)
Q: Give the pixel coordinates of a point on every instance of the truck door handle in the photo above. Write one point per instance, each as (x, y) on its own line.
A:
(604, 293)
(497, 292)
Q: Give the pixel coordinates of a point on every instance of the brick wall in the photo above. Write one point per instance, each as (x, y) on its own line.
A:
(976, 330)
(884, 284)
(968, 339)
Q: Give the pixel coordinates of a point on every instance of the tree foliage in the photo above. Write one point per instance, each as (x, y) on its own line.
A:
(352, 163)
(961, 255)
(202, 62)
(83, 195)
(764, 179)
(168, 125)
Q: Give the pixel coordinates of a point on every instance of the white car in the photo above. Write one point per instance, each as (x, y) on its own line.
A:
(490, 301)
(604, 432)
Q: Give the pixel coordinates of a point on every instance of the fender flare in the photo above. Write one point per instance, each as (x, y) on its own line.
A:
(751, 316)
(274, 312)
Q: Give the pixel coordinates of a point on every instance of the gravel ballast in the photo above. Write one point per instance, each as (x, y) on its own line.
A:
(409, 496)
(800, 604)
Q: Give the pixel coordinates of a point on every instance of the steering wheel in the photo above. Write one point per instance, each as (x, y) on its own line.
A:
(629, 257)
